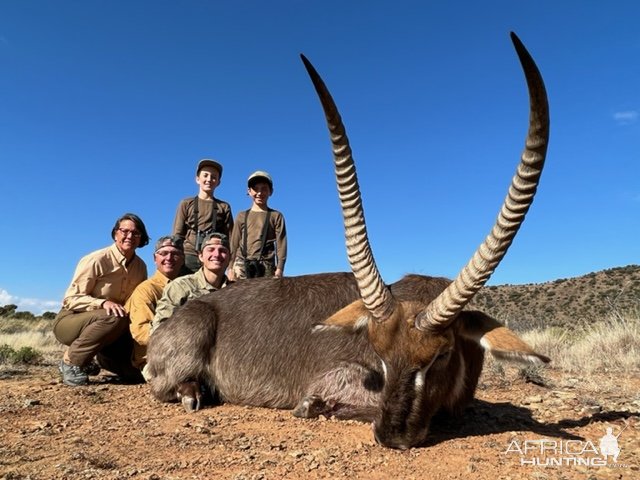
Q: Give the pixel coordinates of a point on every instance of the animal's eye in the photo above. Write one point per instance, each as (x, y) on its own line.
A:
(443, 356)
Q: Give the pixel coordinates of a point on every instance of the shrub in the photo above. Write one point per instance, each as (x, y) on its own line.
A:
(533, 374)
(6, 352)
(8, 310)
(26, 355)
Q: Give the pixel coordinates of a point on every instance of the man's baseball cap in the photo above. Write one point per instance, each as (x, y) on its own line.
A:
(170, 241)
(208, 162)
(259, 176)
(215, 238)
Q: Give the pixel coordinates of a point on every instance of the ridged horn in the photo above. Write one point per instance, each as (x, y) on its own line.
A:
(374, 293)
(444, 308)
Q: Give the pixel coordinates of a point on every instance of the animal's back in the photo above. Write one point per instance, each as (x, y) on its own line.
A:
(267, 352)
(262, 349)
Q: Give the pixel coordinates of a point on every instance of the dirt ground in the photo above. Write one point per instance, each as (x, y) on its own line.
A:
(112, 431)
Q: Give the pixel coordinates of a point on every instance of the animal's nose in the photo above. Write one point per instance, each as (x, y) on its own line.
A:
(391, 442)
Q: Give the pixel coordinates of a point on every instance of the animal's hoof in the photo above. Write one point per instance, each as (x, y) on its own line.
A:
(310, 407)
(190, 395)
(190, 404)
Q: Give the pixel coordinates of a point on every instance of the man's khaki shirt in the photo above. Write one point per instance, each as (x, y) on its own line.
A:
(141, 308)
(179, 291)
(103, 275)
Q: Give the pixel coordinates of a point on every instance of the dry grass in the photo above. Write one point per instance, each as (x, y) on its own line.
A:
(36, 333)
(611, 345)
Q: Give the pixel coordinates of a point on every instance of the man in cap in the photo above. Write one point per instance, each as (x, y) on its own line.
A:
(214, 256)
(141, 305)
(198, 216)
(259, 239)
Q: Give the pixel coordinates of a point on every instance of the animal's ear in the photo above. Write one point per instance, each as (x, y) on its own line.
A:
(353, 317)
(497, 339)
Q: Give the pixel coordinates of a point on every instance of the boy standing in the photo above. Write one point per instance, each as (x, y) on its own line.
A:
(203, 214)
(259, 240)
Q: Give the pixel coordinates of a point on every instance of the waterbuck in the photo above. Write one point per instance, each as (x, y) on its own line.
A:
(347, 344)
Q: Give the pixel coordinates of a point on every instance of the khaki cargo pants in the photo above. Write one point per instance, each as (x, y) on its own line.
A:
(95, 333)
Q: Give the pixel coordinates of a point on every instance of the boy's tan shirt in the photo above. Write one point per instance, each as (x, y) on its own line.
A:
(184, 227)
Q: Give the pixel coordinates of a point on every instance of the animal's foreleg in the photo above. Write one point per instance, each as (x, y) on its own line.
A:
(313, 406)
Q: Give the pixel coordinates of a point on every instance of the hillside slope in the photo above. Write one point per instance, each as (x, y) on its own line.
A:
(568, 302)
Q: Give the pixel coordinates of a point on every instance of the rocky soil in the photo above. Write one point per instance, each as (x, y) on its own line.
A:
(111, 431)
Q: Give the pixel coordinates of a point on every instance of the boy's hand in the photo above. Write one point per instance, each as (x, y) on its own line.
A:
(278, 273)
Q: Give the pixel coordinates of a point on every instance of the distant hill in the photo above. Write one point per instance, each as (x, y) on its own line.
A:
(567, 302)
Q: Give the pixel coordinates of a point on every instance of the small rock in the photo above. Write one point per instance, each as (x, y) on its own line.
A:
(564, 395)
(532, 399)
(591, 409)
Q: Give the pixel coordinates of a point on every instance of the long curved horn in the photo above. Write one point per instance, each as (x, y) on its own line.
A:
(443, 309)
(375, 295)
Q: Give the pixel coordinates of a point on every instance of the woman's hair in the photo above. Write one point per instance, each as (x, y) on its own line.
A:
(144, 236)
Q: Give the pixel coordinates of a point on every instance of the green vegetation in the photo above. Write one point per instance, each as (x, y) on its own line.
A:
(26, 355)
(572, 303)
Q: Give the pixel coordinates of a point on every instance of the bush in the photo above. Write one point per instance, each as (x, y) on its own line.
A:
(6, 352)
(8, 310)
(26, 355)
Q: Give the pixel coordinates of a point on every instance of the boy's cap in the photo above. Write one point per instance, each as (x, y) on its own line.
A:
(214, 239)
(170, 241)
(258, 176)
(207, 162)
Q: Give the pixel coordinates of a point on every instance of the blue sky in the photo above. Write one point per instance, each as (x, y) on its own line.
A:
(106, 107)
